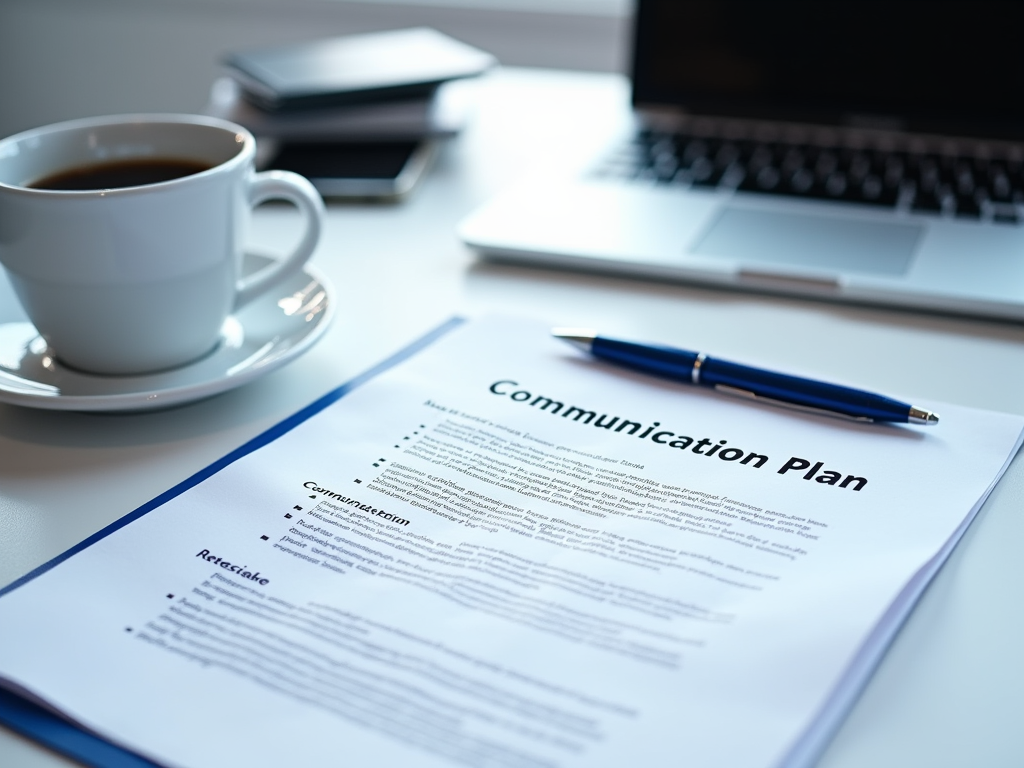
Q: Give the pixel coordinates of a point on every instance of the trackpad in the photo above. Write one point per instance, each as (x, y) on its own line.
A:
(823, 243)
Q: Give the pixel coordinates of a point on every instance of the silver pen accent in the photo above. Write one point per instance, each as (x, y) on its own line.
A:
(695, 373)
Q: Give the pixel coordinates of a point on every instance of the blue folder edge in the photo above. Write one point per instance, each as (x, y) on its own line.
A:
(63, 736)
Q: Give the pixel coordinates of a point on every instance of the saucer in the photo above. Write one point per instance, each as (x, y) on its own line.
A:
(270, 331)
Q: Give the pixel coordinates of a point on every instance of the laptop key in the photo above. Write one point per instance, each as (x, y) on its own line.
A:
(871, 188)
(895, 169)
(701, 169)
(732, 177)
(665, 167)
(694, 149)
(835, 185)
(768, 178)
(1000, 188)
(859, 167)
(802, 181)
(964, 175)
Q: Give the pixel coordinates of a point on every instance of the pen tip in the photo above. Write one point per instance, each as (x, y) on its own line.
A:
(582, 338)
(921, 416)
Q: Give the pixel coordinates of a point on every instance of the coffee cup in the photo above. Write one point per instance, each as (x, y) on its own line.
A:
(122, 236)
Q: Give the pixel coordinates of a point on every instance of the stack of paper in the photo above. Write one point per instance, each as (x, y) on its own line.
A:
(497, 552)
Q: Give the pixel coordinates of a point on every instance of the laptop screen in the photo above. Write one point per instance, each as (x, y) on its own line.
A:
(948, 66)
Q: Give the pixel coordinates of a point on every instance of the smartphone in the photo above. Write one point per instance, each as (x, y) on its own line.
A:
(379, 170)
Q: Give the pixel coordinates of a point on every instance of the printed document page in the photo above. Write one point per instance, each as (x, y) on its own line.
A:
(501, 552)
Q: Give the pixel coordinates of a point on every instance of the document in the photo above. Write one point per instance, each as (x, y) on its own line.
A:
(500, 552)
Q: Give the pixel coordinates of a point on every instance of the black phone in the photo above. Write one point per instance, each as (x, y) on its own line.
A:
(357, 170)
(405, 63)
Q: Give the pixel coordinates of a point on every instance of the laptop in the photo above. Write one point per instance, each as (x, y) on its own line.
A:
(850, 149)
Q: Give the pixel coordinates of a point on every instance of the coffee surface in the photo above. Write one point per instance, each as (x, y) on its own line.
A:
(122, 173)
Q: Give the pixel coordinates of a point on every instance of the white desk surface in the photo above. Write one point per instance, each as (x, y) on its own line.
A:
(950, 692)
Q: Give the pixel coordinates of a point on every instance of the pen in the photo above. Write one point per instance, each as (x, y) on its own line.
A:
(754, 383)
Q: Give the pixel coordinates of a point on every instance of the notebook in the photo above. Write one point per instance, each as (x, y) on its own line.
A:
(852, 150)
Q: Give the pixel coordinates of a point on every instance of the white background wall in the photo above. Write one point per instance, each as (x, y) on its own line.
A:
(61, 59)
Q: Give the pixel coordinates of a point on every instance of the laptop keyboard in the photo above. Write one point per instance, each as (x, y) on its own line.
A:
(936, 184)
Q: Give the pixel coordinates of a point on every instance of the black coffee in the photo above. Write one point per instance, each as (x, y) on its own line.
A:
(121, 173)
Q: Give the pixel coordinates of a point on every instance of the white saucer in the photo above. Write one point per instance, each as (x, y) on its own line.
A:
(264, 335)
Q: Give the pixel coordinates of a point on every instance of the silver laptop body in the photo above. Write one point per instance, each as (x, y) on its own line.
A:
(855, 150)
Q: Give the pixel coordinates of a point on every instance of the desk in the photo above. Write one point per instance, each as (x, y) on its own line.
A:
(950, 692)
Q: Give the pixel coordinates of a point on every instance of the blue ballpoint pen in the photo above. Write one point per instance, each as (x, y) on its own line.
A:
(753, 383)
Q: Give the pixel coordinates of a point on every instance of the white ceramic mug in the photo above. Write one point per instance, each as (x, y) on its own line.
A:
(137, 279)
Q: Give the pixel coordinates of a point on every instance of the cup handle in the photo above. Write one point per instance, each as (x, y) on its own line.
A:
(283, 185)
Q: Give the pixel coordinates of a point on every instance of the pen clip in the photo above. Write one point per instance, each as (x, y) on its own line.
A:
(726, 389)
